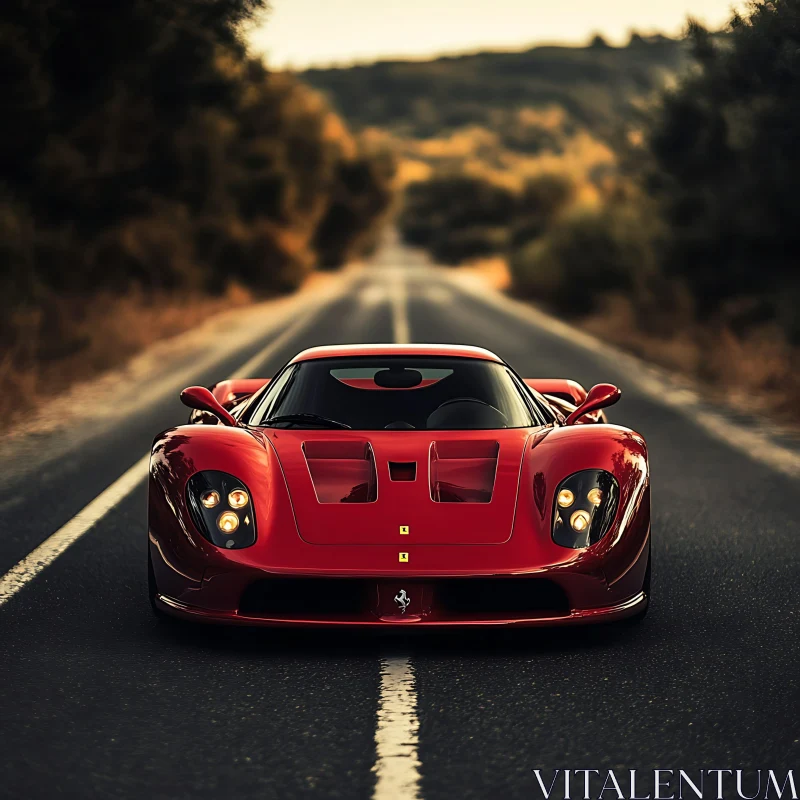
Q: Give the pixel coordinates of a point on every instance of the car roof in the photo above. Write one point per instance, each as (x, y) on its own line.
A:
(345, 350)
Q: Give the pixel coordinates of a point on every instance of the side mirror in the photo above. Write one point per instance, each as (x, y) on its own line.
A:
(600, 396)
(199, 398)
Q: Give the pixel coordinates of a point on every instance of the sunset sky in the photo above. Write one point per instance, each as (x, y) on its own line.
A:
(301, 32)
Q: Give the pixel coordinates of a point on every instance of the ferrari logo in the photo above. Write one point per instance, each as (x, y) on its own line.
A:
(404, 530)
(403, 600)
(403, 558)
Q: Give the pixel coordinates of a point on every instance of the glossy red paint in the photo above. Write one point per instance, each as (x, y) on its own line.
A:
(200, 399)
(230, 392)
(349, 555)
(566, 389)
(453, 350)
(599, 397)
(564, 396)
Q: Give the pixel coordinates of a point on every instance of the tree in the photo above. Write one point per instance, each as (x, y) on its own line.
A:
(142, 148)
(725, 167)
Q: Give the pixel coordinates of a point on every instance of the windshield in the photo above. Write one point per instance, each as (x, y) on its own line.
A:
(395, 393)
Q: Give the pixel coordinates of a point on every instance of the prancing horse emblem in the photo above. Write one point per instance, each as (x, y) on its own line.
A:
(403, 600)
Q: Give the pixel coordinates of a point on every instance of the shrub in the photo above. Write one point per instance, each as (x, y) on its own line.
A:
(585, 255)
(457, 216)
(542, 200)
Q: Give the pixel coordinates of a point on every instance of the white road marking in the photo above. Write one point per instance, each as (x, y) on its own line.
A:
(373, 294)
(49, 550)
(650, 380)
(401, 330)
(397, 733)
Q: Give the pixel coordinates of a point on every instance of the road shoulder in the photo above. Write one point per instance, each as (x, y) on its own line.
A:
(763, 439)
(89, 408)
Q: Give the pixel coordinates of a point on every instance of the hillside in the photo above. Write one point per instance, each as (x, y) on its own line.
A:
(595, 85)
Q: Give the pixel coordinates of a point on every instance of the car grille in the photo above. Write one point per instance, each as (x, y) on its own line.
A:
(313, 597)
(512, 596)
(320, 598)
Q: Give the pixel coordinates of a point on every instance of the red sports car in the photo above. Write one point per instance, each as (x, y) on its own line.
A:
(399, 485)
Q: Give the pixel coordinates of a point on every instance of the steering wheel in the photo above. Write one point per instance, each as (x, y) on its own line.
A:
(500, 418)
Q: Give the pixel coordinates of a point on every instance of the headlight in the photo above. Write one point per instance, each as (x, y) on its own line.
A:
(580, 521)
(585, 507)
(210, 499)
(220, 508)
(595, 496)
(565, 498)
(238, 498)
(228, 522)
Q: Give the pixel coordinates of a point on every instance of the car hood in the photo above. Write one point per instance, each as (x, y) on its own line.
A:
(402, 487)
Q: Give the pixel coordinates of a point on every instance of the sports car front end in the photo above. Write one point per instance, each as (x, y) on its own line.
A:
(523, 526)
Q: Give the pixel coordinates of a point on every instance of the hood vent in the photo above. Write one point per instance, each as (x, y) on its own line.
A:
(342, 472)
(463, 471)
(403, 470)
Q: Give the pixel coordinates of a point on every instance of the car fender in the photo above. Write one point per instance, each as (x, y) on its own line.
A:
(179, 453)
(620, 451)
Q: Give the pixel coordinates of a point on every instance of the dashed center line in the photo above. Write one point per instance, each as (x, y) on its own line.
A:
(399, 299)
(397, 733)
(397, 761)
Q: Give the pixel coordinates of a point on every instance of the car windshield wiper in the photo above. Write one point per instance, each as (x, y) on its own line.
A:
(314, 419)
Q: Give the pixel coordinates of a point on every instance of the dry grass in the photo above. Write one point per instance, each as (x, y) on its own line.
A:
(93, 336)
(480, 152)
(492, 271)
(758, 372)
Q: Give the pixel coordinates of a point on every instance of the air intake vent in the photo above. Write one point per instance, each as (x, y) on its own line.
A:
(403, 470)
(316, 597)
(512, 596)
(342, 472)
(463, 472)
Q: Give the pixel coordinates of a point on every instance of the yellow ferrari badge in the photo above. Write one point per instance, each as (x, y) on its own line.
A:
(403, 558)
(404, 530)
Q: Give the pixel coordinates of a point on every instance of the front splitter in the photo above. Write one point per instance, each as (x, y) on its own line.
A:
(586, 616)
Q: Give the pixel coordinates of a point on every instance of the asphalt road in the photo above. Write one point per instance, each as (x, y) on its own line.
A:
(99, 700)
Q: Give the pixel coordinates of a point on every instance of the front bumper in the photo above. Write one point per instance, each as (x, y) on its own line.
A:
(620, 611)
(568, 593)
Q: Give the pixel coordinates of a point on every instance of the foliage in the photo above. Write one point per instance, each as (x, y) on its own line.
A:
(710, 166)
(588, 253)
(724, 166)
(459, 217)
(143, 149)
(520, 138)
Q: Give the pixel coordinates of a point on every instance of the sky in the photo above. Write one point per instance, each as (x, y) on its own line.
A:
(299, 33)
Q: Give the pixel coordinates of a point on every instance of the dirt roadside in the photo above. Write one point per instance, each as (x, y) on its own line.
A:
(89, 407)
